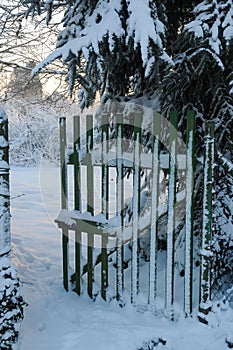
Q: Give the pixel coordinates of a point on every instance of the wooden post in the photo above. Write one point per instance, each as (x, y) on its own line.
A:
(205, 272)
(120, 202)
(136, 207)
(90, 171)
(105, 207)
(188, 264)
(77, 201)
(77, 168)
(64, 200)
(171, 214)
(90, 202)
(5, 245)
(154, 209)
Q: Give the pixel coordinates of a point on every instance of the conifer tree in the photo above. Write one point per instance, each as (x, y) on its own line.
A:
(202, 79)
(108, 49)
(179, 50)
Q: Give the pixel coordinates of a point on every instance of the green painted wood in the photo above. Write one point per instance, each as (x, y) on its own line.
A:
(78, 247)
(120, 203)
(90, 273)
(76, 162)
(136, 206)
(105, 206)
(77, 199)
(64, 200)
(104, 267)
(92, 227)
(190, 165)
(65, 254)
(154, 209)
(205, 273)
(90, 170)
(63, 165)
(146, 161)
(105, 168)
(90, 202)
(169, 295)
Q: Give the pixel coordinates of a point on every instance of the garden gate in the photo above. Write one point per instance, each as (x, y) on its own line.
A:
(117, 246)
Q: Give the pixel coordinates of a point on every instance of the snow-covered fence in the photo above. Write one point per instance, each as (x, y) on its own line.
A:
(112, 244)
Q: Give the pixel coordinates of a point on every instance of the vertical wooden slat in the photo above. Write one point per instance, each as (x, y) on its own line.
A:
(104, 267)
(154, 208)
(77, 168)
(105, 207)
(188, 264)
(120, 201)
(77, 201)
(64, 199)
(171, 214)
(90, 169)
(205, 291)
(78, 246)
(136, 207)
(90, 202)
(105, 169)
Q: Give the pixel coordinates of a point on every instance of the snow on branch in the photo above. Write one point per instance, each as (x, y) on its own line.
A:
(214, 21)
(86, 30)
(143, 28)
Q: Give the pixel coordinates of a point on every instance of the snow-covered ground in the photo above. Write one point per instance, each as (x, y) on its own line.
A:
(58, 320)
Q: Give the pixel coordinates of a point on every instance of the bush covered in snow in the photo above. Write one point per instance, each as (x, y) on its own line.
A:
(33, 132)
(11, 310)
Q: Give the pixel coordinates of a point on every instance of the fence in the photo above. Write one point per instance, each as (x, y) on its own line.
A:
(118, 246)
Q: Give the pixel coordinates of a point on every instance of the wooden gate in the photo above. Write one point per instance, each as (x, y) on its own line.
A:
(115, 247)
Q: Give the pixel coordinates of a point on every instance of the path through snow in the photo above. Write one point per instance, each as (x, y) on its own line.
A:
(58, 320)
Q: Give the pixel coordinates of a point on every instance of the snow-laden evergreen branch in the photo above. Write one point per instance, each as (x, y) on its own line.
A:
(214, 22)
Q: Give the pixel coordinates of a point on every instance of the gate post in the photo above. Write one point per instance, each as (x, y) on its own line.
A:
(188, 282)
(11, 300)
(5, 246)
(205, 291)
(169, 297)
(64, 205)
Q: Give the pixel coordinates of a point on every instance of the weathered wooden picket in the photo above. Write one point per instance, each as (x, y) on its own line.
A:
(111, 152)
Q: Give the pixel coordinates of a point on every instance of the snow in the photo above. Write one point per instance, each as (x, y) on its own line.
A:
(56, 319)
(3, 116)
(105, 22)
(212, 18)
(89, 38)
